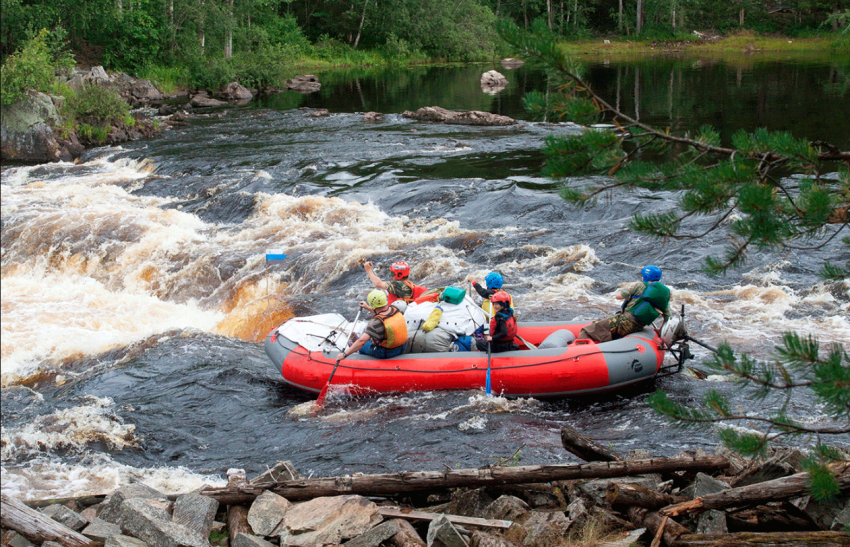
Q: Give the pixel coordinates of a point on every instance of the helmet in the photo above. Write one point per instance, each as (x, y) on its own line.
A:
(494, 280)
(651, 273)
(400, 270)
(501, 297)
(377, 299)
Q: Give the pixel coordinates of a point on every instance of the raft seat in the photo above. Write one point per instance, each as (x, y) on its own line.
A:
(558, 339)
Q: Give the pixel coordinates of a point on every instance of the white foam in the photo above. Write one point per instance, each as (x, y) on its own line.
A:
(46, 478)
(69, 429)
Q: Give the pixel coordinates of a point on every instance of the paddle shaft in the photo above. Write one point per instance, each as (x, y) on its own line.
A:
(487, 389)
(320, 400)
(703, 344)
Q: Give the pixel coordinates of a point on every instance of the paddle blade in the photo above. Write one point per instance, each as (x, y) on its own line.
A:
(320, 401)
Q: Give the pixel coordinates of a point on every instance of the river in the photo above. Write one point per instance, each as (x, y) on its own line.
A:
(135, 294)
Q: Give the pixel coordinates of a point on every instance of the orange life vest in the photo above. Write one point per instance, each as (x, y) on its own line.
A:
(510, 324)
(395, 327)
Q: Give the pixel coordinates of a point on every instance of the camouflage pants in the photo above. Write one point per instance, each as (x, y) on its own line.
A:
(612, 328)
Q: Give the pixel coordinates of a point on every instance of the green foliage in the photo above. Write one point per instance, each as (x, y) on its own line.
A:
(98, 107)
(137, 41)
(92, 134)
(747, 190)
(34, 66)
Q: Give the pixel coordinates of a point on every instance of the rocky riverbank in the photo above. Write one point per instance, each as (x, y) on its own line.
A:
(693, 499)
(34, 129)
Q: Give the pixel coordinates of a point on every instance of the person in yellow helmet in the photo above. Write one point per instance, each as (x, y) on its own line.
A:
(386, 331)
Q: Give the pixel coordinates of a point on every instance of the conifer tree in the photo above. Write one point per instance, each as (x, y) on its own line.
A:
(745, 189)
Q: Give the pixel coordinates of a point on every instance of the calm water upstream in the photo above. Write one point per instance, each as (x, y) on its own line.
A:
(134, 295)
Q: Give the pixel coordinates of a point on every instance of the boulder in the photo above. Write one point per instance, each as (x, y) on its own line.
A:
(14, 539)
(712, 522)
(111, 507)
(140, 519)
(373, 117)
(470, 503)
(201, 100)
(703, 485)
(597, 489)
(63, 515)
(442, 533)
(249, 540)
(375, 536)
(328, 520)
(124, 541)
(320, 113)
(407, 536)
(195, 512)
(483, 539)
(304, 83)
(506, 508)
(471, 117)
(631, 538)
(26, 129)
(267, 512)
(98, 75)
(145, 92)
(235, 92)
(492, 82)
(545, 528)
(101, 530)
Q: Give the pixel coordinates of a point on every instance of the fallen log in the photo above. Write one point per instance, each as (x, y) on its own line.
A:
(639, 496)
(585, 447)
(653, 522)
(395, 512)
(398, 483)
(38, 527)
(775, 490)
(85, 501)
(237, 521)
(764, 539)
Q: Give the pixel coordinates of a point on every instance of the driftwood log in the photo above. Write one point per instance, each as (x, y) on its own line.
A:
(407, 535)
(586, 448)
(395, 512)
(85, 501)
(775, 490)
(639, 496)
(237, 521)
(36, 526)
(398, 483)
(765, 539)
(653, 522)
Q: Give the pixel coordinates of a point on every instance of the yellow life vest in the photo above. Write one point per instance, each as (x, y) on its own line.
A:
(395, 327)
(488, 308)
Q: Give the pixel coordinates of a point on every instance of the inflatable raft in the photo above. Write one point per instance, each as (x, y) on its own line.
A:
(305, 350)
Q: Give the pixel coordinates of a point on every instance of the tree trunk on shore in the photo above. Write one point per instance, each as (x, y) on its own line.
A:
(586, 448)
(237, 521)
(638, 496)
(36, 526)
(775, 490)
(765, 539)
(388, 484)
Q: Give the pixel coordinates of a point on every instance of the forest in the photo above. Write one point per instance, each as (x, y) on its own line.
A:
(202, 37)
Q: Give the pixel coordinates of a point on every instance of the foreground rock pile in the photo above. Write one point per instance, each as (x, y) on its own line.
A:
(615, 511)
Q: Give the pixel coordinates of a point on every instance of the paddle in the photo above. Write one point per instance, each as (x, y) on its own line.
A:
(487, 389)
(320, 401)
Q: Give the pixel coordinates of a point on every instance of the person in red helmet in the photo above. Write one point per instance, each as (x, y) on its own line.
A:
(503, 328)
(400, 288)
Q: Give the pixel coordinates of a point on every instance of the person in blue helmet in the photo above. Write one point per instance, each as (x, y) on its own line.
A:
(494, 281)
(643, 303)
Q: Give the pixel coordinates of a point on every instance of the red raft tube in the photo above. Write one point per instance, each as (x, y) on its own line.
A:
(305, 350)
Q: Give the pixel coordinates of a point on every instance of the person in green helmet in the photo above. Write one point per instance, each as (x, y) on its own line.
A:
(386, 331)
(643, 303)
